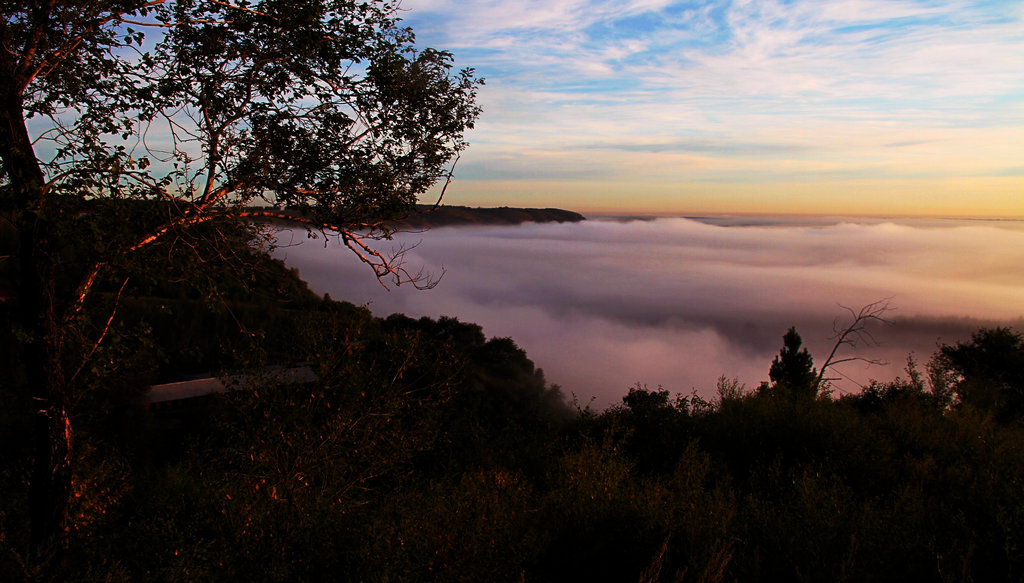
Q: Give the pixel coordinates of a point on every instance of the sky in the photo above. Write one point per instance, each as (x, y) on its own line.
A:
(838, 107)
(605, 304)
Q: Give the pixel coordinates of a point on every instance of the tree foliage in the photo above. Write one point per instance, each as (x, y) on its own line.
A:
(133, 125)
(792, 371)
(988, 372)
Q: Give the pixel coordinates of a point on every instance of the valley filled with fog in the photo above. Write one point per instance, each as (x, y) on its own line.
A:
(607, 303)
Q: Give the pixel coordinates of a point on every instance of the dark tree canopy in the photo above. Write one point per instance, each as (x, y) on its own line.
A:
(988, 371)
(126, 125)
(322, 112)
(792, 371)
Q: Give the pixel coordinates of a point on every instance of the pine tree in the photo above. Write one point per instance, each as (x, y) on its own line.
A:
(792, 371)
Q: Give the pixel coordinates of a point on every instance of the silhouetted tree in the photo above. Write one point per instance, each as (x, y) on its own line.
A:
(854, 334)
(654, 431)
(792, 371)
(988, 371)
(904, 392)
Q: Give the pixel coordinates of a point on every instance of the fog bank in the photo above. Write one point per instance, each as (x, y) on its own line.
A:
(605, 304)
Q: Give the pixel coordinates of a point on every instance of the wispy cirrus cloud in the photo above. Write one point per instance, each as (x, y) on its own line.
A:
(816, 82)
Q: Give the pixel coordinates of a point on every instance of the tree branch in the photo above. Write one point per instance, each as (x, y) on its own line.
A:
(70, 45)
(103, 334)
(40, 18)
(83, 289)
(381, 264)
(855, 333)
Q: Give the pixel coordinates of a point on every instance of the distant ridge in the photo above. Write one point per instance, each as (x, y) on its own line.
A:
(444, 216)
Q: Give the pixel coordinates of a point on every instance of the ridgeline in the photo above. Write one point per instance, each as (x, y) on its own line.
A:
(445, 216)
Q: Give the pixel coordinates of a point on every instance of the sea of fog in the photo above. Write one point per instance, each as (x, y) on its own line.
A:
(677, 302)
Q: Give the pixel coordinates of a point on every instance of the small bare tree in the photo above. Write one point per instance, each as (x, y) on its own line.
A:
(854, 334)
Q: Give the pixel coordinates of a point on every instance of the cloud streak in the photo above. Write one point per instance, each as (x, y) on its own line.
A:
(677, 302)
(579, 84)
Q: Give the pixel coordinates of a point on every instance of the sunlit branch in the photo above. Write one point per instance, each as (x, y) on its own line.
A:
(40, 16)
(103, 334)
(383, 266)
(82, 291)
(183, 221)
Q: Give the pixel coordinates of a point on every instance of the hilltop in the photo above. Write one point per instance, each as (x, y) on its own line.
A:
(444, 216)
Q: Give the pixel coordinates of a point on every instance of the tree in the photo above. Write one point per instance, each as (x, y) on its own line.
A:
(792, 371)
(128, 124)
(853, 335)
(987, 372)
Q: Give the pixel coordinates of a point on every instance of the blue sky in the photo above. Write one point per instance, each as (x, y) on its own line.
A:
(873, 107)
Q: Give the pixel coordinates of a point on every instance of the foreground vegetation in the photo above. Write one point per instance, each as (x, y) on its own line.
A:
(426, 452)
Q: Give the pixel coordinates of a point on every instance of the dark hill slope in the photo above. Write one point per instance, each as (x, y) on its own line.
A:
(444, 216)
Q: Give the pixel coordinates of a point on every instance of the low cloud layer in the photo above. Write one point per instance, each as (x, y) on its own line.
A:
(604, 304)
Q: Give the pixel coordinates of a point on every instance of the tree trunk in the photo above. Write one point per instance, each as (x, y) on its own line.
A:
(40, 318)
(50, 486)
(50, 489)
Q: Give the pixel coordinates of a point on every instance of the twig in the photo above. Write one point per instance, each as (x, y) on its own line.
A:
(854, 334)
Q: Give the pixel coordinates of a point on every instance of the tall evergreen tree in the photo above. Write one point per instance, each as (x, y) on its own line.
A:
(792, 371)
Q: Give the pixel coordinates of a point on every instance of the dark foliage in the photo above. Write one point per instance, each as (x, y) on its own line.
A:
(792, 371)
(989, 372)
(430, 216)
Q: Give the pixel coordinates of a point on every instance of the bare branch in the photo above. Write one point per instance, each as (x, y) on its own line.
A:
(103, 334)
(383, 265)
(447, 182)
(27, 73)
(82, 291)
(856, 333)
(392, 265)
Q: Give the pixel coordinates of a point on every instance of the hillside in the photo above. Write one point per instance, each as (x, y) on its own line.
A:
(421, 450)
(445, 216)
